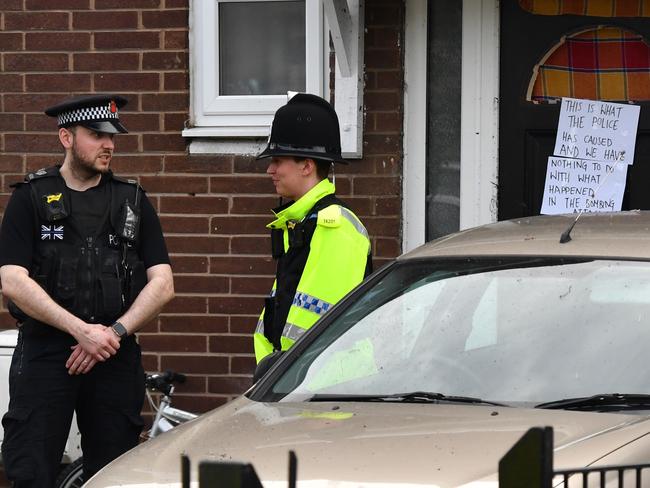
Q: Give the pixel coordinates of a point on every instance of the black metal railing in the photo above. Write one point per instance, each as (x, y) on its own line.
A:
(597, 477)
(529, 464)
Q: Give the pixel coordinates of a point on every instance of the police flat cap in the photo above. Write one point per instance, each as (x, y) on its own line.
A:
(98, 112)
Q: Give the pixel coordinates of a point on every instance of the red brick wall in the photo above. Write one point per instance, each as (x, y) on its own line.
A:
(213, 208)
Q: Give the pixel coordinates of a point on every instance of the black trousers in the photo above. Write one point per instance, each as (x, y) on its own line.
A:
(43, 397)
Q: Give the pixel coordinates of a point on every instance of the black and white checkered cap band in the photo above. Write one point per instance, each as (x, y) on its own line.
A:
(102, 112)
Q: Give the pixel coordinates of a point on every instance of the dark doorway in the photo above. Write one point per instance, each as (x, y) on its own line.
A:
(527, 131)
(443, 117)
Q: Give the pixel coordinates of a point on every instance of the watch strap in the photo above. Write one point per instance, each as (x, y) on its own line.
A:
(119, 329)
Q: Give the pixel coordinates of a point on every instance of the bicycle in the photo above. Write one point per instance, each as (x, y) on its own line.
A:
(167, 417)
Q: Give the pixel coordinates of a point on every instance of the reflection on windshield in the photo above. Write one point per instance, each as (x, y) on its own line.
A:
(497, 329)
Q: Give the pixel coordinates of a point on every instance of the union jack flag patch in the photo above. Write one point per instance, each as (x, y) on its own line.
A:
(51, 232)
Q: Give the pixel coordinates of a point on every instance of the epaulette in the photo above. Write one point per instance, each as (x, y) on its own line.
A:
(49, 193)
(125, 180)
(128, 181)
(330, 216)
(41, 173)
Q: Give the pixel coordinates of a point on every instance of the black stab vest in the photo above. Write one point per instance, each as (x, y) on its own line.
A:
(94, 273)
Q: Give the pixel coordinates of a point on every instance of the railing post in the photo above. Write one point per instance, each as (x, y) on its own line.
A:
(216, 474)
(293, 469)
(185, 471)
(529, 463)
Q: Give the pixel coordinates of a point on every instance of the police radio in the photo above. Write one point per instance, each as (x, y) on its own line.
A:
(128, 228)
(129, 221)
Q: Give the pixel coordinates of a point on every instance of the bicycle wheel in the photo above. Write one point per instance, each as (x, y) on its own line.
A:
(72, 476)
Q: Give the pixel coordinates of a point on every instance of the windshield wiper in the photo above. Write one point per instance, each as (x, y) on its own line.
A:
(411, 397)
(605, 401)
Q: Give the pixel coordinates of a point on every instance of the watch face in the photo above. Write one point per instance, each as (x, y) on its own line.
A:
(119, 329)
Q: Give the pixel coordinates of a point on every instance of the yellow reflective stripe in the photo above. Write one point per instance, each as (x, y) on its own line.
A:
(350, 217)
(298, 317)
(260, 327)
(292, 331)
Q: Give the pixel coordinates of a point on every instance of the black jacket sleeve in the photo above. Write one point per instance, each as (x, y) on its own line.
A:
(18, 229)
(152, 249)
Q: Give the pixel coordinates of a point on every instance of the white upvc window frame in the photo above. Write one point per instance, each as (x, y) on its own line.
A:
(217, 115)
(217, 121)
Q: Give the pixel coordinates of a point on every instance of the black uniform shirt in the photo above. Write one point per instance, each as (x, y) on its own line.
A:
(18, 231)
(89, 208)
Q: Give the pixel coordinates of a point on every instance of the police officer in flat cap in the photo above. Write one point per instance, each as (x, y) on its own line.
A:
(321, 247)
(84, 265)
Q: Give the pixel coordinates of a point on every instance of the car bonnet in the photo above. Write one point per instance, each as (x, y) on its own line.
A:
(369, 444)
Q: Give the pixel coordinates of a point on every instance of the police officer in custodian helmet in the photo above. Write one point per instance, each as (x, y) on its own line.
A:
(84, 265)
(321, 247)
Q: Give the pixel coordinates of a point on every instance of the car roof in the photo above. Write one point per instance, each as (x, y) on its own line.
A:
(613, 234)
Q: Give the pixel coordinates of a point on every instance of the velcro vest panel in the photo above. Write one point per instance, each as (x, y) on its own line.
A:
(95, 274)
(290, 266)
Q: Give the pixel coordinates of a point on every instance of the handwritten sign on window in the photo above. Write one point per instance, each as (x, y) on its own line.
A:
(574, 185)
(597, 131)
(594, 145)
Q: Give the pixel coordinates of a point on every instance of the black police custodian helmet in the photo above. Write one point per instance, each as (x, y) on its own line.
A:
(306, 127)
(95, 112)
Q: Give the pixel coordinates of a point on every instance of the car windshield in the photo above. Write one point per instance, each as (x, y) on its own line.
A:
(514, 331)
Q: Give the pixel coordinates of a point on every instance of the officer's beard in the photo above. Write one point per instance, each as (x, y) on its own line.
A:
(82, 167)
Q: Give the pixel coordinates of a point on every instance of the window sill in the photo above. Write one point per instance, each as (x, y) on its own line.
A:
(229, 131)
(226, 145)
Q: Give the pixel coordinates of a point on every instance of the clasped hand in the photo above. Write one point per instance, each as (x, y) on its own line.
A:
(95, 343)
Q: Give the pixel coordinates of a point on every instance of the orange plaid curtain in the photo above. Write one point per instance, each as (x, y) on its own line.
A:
(594, 8)
(605, 63)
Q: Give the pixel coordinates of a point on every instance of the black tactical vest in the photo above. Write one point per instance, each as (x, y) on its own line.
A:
(94, 273)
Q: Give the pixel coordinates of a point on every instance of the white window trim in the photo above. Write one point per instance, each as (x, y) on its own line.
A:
(479, 132)
(240, 116)
(213, 117)
(415, 126)
(346, 22)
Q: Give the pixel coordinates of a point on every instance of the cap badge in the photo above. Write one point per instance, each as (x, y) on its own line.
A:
(113, 107)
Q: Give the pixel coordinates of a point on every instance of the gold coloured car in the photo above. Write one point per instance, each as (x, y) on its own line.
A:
(428, 372)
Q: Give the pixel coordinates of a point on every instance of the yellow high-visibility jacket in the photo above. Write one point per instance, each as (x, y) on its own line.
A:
(325, 252)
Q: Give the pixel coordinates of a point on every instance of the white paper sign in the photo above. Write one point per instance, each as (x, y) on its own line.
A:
(574, 185)
(597, 131)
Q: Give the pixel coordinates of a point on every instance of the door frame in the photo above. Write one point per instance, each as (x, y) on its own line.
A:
(479, 118)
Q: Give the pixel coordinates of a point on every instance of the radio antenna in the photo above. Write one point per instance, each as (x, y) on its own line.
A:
(566, 235)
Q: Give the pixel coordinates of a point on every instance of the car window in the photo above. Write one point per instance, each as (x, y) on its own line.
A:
(621, 283)
(509, 330)
(484, 326)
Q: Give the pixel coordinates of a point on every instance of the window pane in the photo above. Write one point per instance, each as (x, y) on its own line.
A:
(443, 138)
(261, 47)
(581, 64)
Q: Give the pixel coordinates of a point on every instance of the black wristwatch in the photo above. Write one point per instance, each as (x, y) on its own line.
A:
(119, 330)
